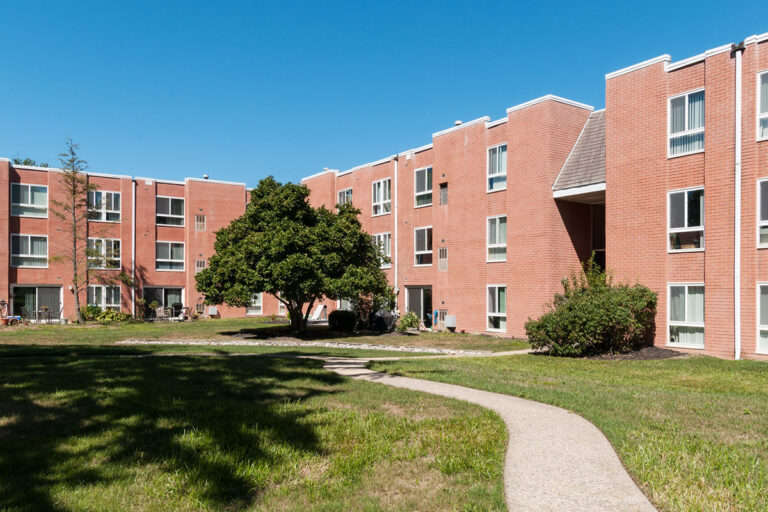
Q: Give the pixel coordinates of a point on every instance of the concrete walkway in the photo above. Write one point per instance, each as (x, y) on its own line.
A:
(555, 461)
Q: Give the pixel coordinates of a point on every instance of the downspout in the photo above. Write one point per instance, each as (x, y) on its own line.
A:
(133, 249)
(397, 206)
(737, 52)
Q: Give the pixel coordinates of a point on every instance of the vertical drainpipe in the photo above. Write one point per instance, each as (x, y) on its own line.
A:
(397, 206)
(737, 50)
(133, 248)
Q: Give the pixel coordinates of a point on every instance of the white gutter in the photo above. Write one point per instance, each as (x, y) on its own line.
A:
(133, 249)
(397, 206)
(737, 214)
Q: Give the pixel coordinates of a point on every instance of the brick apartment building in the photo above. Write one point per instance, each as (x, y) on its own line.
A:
(482, 224)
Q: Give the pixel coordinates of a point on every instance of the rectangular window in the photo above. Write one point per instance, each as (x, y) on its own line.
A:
(169, 256)
(762, 107)
(423, 245)
(423, 187)
(383, 242)
(344, 197)
(103, 253)
(105, 297)
(443, 193)
(29, 251)
(170, 211)
(686, 124)
(104, 206)
(381, 197)
(256, 305)
(762, 235)
(762, 321)
(497, 238)
(686, 220)
(200, 223)
(442, 259)
(686, 315)
(200, 265)
(497, 308)
(497, 168)
(29, 200)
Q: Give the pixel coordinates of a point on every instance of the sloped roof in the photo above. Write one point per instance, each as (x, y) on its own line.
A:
(586, 163)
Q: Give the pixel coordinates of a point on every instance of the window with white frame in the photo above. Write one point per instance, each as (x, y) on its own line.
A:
(686, 123)
(762, 106)
(497, 308)
(103, 253)
(169, 211)
(105, 297)
(200, 265)
(29, 200)
(423, 245)
(497, 168)
(344, 197)
(762, 321)
(686, 220)
(104, 206)
(686, 315)
(381, 197)
(29, 251)
(383, 242)
(443, 193)
(762, 221)
(169, 255)
(497, 238)
(200, 223)
(256, 307)
(423, 187)
(442, 259)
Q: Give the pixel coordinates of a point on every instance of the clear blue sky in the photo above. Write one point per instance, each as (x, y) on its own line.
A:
(244, 90)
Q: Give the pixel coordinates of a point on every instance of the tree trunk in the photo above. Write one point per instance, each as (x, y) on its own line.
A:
(75, 276)
(298, 324)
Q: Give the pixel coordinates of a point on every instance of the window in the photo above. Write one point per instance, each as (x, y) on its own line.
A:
(443, 193)
(762, 107)
(442, 259)
(200, 308)
(200, 223)
(104, 206)
(423, 245)
(105, 297)
(103, 253)
(686, 315)
(169, 256)
(170, 211)
(686, 124)
(200, 265)
(686, 220)
(423, 187)
(383, 242)
(29, 200)
(762, 321)
(29, 251)
(497, 168)
(345, 197)
(256, 305)
(497, 308)
(762, 234)
(382, 197)
(497, 238)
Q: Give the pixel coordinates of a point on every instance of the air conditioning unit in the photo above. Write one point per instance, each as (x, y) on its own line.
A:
(450, 322)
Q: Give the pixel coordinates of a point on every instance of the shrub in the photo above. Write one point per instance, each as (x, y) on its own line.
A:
(594, 316)
(110, 315)
(408, 321)
(90, 312)
(383, 321)
(342, 320)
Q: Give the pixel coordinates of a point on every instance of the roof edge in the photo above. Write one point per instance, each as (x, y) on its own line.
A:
(550, 97)
(460, 126)
(634, 67)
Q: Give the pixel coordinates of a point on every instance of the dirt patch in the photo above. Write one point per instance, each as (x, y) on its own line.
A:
(644, 354)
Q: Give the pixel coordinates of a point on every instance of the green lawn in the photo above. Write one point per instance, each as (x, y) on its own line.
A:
(232, 433)
(444, 340)
(693, 432)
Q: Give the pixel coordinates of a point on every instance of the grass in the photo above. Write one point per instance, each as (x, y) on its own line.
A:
(692, 432)
(233, 433)
(445, 340)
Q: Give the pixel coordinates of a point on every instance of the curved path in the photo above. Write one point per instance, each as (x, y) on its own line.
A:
(555, 460)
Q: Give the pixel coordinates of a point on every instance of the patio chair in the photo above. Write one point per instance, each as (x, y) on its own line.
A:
(161, 313)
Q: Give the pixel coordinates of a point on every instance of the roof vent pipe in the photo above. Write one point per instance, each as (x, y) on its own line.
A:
(205, 176)
(457, 122)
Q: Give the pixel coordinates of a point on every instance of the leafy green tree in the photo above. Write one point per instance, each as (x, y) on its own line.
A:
(299, 254)
(29, 161)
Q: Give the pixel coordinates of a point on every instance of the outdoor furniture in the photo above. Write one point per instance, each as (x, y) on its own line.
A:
(161, 313)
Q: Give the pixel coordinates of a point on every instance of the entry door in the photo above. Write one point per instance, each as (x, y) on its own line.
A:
(25, 302)
(48, 303)
(420, 303)
(173, 300)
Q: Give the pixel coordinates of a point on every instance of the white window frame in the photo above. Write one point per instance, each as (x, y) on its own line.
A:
(686, 229)
(169, 214)
(416, 252)
(29, 205)
(687, 131)
(489, 313)
(347, 199)
(103, 305)
(758, 115)
(382, 203)
(488, 244)
(670, 323)
(103, 211)
(760, 223)
(201, 223)
(442, 259)
(162, 294)
(760, 327)
(256, 307)
(488, 175)
(384, 241)
(103, 256)
(200, 265)
(183, 262)
(30, 236)
(416, 194)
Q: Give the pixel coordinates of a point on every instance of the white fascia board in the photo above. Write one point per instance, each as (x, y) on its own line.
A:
(550, 97)
(220, 182)
(35, 168)
(106, 175)
(324, 171)
(634, 67)
(758, 38)
(696, 58)
(369, 164)
(483, 119)
(419, 149)
(577, 191)
(171, 182)
(491, 124)
(3, 159)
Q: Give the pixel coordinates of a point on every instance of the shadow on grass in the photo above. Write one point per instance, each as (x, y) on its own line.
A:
(312, 333)
(68, 423)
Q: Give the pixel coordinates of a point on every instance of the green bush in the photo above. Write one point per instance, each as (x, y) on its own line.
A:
(90, 312)
(408, 321)
(342, 320)
(110, 315)
(594, 316)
